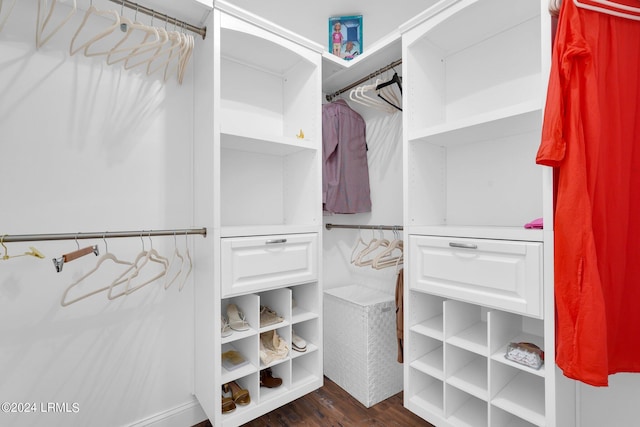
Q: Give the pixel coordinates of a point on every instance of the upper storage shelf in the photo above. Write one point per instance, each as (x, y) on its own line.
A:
(269, 85)
(478, 68)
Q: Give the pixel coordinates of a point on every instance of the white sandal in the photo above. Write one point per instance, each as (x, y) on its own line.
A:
(226, 329)
(298, 343)
(236, 318)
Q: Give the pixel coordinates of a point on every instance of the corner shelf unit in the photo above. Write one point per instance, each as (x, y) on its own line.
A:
(258, 182)
(474, 73)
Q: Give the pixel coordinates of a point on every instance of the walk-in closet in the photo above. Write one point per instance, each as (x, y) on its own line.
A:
(213, 215)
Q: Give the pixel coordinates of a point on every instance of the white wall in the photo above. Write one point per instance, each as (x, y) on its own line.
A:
(384, 139)
(89, 147)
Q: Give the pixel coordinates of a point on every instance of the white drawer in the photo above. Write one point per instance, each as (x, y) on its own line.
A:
(495, 273)
(251, 264)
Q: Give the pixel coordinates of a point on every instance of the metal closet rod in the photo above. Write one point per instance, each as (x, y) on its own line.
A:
(100, 235)
(153, 13)
(364, 227)
(362, 80)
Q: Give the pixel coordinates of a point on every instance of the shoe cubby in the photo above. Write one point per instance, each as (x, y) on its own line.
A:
(309, 331)
(427, 316)
(517, 392)
(466, 326)
(467, 371)
(500, 418)
(278, 301)
(464, 409)
(506, 328)
(305, 304)
(248, 307)
(283, 371)
(425, 354)
(247, 348)
(424, 394)
(304, 368)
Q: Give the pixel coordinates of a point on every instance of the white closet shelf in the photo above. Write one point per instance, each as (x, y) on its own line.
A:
(431, 364)
(431, 328)
(472, 413)
(473, 339)
(498, 16)
(487, 126)
(478, 232)
(523, 398)
(265, 144)
(498, 356)
(472, 379)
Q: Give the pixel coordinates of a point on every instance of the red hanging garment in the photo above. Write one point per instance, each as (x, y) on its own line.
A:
(591, 134)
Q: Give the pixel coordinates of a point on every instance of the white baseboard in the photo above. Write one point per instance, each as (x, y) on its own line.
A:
(186, 415)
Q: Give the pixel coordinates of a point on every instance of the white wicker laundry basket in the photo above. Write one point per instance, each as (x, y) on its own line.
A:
(360, 346)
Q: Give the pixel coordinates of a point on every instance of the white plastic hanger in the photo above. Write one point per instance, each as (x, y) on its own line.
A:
(176, 259)
(185, 56)
(166, 55)
(106, 257)
(132, 272)
(386, 258)
(129, 46)
(115, 23)
(42, 39)
(142, 56)
(188, 255)
(374, 244)
(355, 247)
(618, 6)
(7, 13)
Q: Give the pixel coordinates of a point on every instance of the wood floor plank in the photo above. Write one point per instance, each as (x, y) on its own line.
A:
(331, 406)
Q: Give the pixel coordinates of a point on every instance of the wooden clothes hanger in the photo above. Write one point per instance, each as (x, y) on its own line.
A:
(617, 8)
(106, 257)
(42, 39)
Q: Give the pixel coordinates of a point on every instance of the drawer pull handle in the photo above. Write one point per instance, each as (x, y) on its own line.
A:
(274, 241)
(463, 245)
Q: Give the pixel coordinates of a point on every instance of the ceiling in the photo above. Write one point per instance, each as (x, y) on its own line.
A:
(310, 18)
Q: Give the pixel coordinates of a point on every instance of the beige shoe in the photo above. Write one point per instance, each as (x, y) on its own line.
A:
(237, 321)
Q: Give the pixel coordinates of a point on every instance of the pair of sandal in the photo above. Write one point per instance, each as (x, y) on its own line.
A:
(268, 317)
(239, 396)
(236, 320)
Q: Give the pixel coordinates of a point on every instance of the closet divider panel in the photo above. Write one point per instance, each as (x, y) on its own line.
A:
(474, 77)
(265, 186)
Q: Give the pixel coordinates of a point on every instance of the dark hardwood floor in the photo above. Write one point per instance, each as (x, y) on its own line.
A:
(331, 406)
